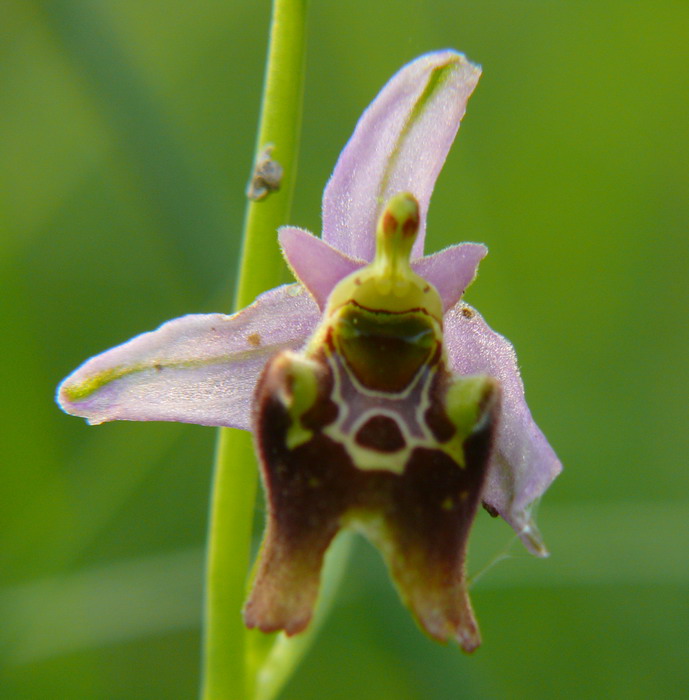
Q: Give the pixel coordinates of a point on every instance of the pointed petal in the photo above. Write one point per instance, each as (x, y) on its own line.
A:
(315, 263)
(524, 464)
(399, 145)
(451, 270)
(195, 369)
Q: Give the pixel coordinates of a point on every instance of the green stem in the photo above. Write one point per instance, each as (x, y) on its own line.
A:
(262, 266)
(235, 480)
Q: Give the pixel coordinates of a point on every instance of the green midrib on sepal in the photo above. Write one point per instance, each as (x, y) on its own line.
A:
(84, 389)
(435, 81)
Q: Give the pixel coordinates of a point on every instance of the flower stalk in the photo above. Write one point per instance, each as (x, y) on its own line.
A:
(235, 472)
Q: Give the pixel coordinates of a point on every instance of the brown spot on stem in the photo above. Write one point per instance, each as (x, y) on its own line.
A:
(254, 339)
(467, 312)
(267, 176)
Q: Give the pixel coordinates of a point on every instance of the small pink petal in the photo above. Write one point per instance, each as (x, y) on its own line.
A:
(315, 263)
(451, 270)
(195, 369)
(399, 145)
(524, 464)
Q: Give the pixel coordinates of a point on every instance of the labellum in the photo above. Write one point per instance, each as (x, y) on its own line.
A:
(367, 427)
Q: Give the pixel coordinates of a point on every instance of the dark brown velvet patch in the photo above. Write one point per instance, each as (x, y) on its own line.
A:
(436, 418)
(381, 433)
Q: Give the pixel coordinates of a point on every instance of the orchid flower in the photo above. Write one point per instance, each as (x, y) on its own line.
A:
(378, 399)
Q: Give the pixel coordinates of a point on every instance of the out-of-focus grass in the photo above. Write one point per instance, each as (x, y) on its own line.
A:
(96, 606)
(126, 133)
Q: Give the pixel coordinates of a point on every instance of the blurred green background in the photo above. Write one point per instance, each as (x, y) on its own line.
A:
(126, 137)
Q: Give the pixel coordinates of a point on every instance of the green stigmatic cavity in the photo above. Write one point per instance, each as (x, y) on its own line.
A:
(367, 428)
(384, 350)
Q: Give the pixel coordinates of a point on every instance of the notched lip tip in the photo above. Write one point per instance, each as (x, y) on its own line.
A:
(469, 647)
(289, 628)
(468, 640)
